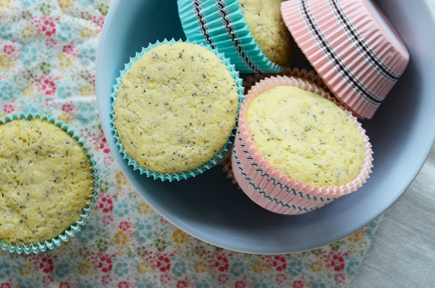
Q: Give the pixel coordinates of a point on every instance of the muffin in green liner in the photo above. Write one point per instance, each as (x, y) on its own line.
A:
(249, 32)
(48, 183)
(175, 109)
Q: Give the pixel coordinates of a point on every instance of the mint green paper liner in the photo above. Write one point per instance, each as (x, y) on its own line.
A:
(223, 154)
(56, 241)
(221, 24)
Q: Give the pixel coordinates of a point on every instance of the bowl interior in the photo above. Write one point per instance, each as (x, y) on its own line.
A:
(211, 208)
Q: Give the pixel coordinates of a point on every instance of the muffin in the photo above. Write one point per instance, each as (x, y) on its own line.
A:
(264, 19)
(305, 154)
(47, 182)
(176, 108)
(249, 32)
(307, 136)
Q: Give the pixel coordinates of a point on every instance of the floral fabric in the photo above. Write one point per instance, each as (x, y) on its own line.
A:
(47, 65)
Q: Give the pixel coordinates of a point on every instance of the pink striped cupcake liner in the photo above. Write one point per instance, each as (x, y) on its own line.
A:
(269, 187)
(353, 47)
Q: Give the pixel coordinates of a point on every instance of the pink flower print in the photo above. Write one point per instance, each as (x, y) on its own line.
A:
(281, 278)
(9, 49)
(107, 220)
(240, 284)
(50, 102)
(181, 284)
(106, 279)
(9, 108)
(298, 284)
(68, 49)
(124, 226)
(100, 143)
(106, 204)
(102, 261)
(160, 260)
(48, 27)
(46, 264)
(67, 108)
(278, 262)
(223, 278)
(339, 278)
(45, 84)
(5, 285)
(165, 278)
(64, 285)
(123, 284)
(50, 42)
(47, 280)
(99, 22)
(334, 259)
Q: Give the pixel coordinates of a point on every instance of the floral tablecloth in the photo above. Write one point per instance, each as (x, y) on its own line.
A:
(48, 52)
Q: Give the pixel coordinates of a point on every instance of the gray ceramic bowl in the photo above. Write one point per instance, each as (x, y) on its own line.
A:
(210, 208)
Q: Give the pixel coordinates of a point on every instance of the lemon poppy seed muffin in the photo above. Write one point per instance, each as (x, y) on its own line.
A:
(175, 108)
(268, 28)
(306, 136)
(45, 181)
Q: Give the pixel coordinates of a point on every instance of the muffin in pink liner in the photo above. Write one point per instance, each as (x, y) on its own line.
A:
(269, 187)
(352, 45)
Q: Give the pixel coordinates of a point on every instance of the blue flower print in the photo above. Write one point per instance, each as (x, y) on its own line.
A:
(202, 285)
(65, 31)
(62, 270)
(27, 3)
(121, 209)
(86, 114)
(64, 91)
(87, 56)
(29, 55)
(352, 267)
(318, 285)
(31, 109)
(87, 234)
(4, 270)
(121, 269)
(143, 232)
(237, 269)
(178, 269)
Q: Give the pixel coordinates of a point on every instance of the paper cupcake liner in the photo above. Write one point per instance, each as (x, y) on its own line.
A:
(351, 47)
(223, 154)
(273, 189)
(229, 170)
(310, 76)
(221, 24)
(56, 241)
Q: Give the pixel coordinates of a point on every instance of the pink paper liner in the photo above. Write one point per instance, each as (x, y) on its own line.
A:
(272, 189)
(348, 36)
(295, 72)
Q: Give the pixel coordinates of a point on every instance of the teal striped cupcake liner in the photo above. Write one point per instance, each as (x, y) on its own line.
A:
(223, 154)
(221, 24)
(56, 241)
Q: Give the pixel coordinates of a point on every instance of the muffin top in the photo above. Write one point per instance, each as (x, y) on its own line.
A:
(306, 136)
(175, 108)
(45, 181)
(267, 26)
